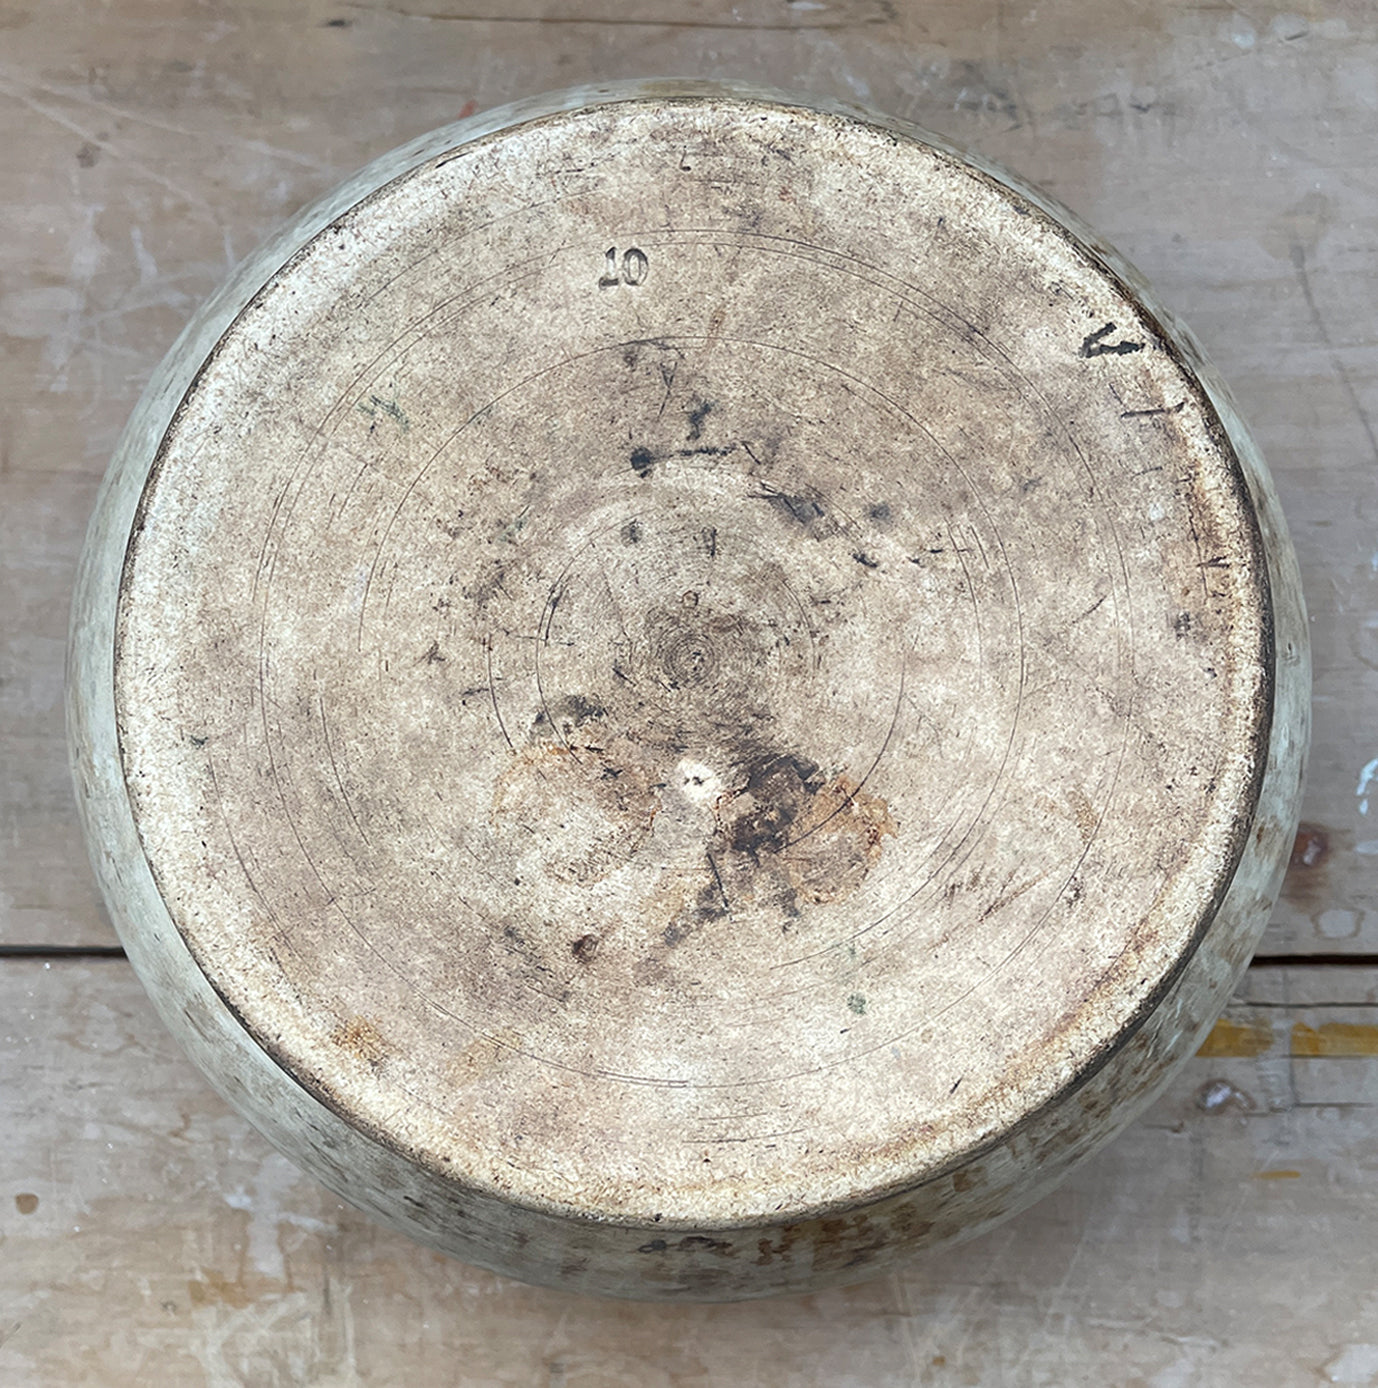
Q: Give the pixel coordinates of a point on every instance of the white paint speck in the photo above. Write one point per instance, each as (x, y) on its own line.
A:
(1219, 1094)
(1369, 847)
(1354, 1364)
(263, 1204)
(1180, 1374)
(1239, 32)
(1338, 923)
(148, 267)
(1365, 776)
(700, 783)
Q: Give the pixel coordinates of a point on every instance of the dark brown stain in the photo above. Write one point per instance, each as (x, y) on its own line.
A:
(1084, 812)
(26, 1203)
(779, 1246)
(573, 712)
(1095, 344)
(644, 459)
(709, 903)
(800, 508)
(1305, 883)
(777, 790)
(786, 837)
(696, 416)
(690, 1243)
(584, 948)
(821, 835)
(850, 1242)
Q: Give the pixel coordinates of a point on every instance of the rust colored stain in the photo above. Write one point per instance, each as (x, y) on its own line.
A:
(362, 1040)
(837, 841)
(589, 809)
(1277, 1175)
(1310, 848)
(1237, 1039)
(26, 1203)
(1334, 1039)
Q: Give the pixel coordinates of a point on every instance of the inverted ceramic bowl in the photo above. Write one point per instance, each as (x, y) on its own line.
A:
(681, 692)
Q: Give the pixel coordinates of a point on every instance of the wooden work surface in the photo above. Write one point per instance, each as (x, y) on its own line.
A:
(149, 1235)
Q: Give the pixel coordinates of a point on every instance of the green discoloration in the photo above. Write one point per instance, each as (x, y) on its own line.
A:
(375, 407)
(511, 532)
(857, 1002)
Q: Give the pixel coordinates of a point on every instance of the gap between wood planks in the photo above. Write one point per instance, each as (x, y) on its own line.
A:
(1259, 961)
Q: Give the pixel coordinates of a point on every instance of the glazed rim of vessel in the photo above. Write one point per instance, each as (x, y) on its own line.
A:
(1129, 985)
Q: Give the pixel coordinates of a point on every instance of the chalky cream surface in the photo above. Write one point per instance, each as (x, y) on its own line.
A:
(692, 662)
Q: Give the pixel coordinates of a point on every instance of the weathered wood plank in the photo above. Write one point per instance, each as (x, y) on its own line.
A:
(150, 145)
(151, 1236)
(781, 16)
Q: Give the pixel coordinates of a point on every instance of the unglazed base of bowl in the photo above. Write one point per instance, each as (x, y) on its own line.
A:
(681, 692)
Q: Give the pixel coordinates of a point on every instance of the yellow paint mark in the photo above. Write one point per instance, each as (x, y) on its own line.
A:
(214, 1287)
(1277, 1175)
(1334, 1039)
(1237, 1039)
